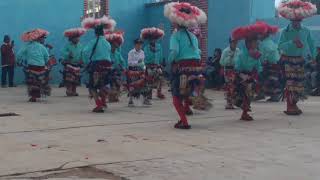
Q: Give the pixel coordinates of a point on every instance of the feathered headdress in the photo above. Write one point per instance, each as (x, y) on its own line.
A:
(249, 32)
(74, 32)
(184, 14)
(107, 23)
(297, 9)
(270, 29)
(151, 33)
(34, 35)
(115, 37)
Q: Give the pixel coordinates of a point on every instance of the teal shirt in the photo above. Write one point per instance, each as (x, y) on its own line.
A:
(287, 46)
(229, 57)
(117, 59)
(153, 57)
(247, 63)
(72, 52)
(269, 50)
(33, 53)
(102, 52)
(181, 48)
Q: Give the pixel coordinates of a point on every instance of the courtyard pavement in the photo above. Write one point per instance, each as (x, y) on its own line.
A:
(60, 138)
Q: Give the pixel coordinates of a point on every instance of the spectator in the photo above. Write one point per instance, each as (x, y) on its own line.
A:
(8, 61)
(214, 70)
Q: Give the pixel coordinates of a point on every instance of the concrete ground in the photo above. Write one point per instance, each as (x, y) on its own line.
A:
(60, 138)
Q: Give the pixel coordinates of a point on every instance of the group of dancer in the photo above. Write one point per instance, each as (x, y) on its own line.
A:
(263, 67)
(110, 73)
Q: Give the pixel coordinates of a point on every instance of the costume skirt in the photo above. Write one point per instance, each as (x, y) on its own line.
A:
(154, 75)
(294, 76)
(100, 75)
(136, 82)
(37, 80)
(72, 74)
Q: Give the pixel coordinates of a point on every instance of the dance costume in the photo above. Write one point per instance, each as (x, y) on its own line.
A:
(294, 41)
(72, 61)
(97, 56)
(228, 59)
(34, 57)
(153, 60)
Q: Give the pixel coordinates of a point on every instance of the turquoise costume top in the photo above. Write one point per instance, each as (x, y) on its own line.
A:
(33, 53)
(72, 52)
(229, 57)
(269, 50)
(181, 48)
(153, 57)
(288, 47)
(117, 60)
(247, 63)
(102, 51)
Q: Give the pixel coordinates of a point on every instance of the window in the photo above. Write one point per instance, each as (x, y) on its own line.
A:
(96, 8)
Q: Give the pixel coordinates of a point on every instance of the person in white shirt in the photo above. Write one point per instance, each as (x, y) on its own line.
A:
(136, 55)
(228, 59)
(136, 74)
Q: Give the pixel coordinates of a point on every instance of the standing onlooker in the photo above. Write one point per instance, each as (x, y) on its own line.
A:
(228, 59)
(214, 70)
(8, 61)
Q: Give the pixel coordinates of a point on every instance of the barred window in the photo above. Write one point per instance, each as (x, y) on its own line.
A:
(95, 8)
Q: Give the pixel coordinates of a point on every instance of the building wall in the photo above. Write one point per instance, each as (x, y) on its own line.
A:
(18, 16)
(131, 17)
(262, 9)
(224, 16)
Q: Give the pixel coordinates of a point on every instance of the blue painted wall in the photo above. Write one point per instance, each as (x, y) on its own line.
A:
(223, 17)
(131, 17)
(18, 16)
(262, 9)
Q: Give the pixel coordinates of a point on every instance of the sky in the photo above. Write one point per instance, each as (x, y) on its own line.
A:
(277, 2)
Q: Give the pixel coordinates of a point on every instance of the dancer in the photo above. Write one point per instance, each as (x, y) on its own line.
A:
(185, 58)
(295, 40)
(97, 56)
(153, 60)
(34, 57)
(119, 64)
(228, 59)
(72, 60)
(248, 67)
(136, 74)
(270, 80)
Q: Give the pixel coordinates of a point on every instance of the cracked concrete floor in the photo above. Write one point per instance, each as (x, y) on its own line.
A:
(60, 135)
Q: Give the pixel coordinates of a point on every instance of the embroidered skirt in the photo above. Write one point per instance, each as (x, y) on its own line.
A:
(273, 83)
(186, 77)
(115, 91)
(37, 80)
(188, 82)
(100, 76)
(72, 73)
(294, 76)
(230, 77)
(245, 87)
(136, 82)
(153, 75)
